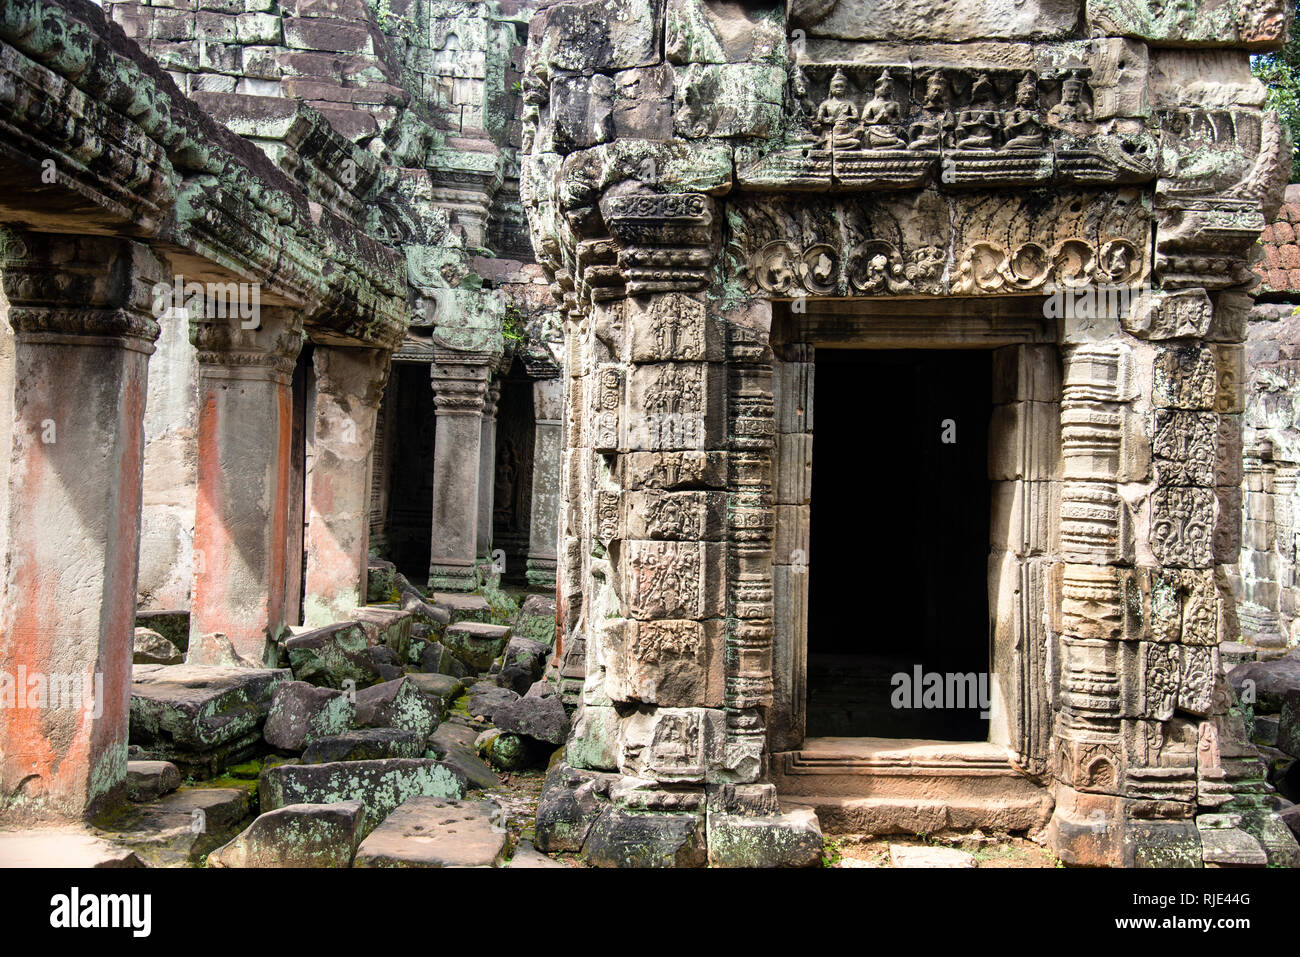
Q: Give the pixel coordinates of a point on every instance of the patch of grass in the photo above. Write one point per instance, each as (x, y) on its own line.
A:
(831, 855)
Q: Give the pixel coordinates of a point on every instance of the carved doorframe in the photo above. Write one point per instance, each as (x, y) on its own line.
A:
(1024, 468)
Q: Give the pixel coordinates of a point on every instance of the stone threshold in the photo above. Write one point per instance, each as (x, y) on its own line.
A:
(909, 786)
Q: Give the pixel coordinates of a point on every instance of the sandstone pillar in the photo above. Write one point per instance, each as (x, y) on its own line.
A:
(459, 385)
(349, 386)
(544, 515)
(244, 492)
(80, 310)
(487, 458)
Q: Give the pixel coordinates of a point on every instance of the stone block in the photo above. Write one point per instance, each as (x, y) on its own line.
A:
(675, 663)
(541, 719)
(673, 579)
(381, 785)
(172, 625)
(464, 607)
(397, 704)
(301, 712)
(536, 619)
(1024, 441)
(728, 100)
(675, 406)
(643, 104)
(150, 780)
(584, 38)
(673, 516)
(454, 745)
(327, 35)
(298, 835)
(199, 716)
(593, 744)
(151, 648)
(917, 20)
(1256, 25)
(582, 111)
(333, 656)
(367, 744)
(793, 839)
(622, 838)
(676, 470)
(381, 580)
(569, 805)
(673, 745)
(386, 626)
(476, 644)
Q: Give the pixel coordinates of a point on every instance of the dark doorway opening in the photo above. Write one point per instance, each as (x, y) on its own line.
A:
(410, 497)
(513, 473)
(898, 592)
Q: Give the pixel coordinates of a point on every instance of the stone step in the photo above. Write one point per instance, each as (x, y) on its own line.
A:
(895, 786)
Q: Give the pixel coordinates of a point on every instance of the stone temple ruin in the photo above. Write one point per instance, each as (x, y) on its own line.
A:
(877, 388)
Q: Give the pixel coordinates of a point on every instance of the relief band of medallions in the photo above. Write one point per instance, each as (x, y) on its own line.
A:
(929, 245)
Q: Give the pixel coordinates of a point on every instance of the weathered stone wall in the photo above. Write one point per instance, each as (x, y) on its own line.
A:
(428, 93)
(1265, 577)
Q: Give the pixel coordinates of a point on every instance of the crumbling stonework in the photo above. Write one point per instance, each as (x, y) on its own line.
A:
(1271, 447)
(292, 212)
(293, 194)
(720, 193)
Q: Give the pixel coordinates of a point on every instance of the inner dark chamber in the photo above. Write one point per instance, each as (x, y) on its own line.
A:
(899, 550)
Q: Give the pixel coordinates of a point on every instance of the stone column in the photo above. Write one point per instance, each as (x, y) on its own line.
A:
(349, 386)
(80, 310)
(544, 515)
(487, 459)
(242, 509)
(459, 385)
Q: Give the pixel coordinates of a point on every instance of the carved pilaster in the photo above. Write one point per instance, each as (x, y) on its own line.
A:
(750, 526)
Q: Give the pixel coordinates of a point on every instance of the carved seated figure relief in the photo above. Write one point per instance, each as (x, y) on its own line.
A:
(1024, 128)
(977, 125)
(882, 118)
(1072, 108)
(928, 131)
(837, 118)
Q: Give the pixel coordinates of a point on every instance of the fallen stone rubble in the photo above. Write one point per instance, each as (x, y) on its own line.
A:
(400, 737)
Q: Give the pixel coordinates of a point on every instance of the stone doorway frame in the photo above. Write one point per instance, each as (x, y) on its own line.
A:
(1025, 470)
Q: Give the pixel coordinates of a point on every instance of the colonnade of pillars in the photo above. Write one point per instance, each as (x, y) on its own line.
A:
(82, 311)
